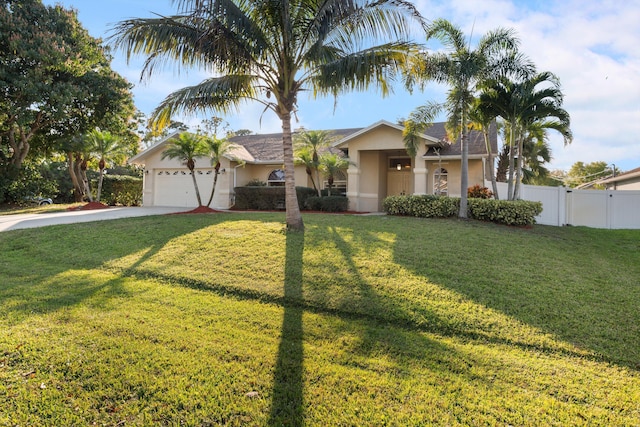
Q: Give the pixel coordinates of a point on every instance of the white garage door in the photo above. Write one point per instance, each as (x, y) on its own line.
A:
(175, 187)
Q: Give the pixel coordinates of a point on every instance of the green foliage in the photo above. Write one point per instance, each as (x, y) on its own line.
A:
(509, 212)
(423, 206)
(55, 82)
(516, 212)
(304, 194)
(122, 190)
(478, 192)
(268, 198)
(31, 182)
(582, 173)
(328, 204)
(256, 182)
(217, 319)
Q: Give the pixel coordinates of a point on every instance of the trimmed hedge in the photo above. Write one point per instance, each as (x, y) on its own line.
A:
(268, 198)
(121, 190)
(424, 206)
(509, 212)
(328, 203)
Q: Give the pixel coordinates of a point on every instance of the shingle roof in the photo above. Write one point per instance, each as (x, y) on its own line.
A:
(267, 148)
(475, 138)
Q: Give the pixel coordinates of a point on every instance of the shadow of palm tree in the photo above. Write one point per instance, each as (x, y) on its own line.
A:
(287, 407)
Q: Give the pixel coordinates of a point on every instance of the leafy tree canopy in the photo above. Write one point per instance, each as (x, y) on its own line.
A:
(55, 82)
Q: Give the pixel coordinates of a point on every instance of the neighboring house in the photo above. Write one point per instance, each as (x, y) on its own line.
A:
(380, 167)
(625, 181)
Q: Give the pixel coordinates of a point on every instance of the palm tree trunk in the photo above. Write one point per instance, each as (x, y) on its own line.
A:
(516, 190)
(100, 185)
(464, 168)
(213, 190)
(511, 163)
(494, 184)
(293, 216)
(195, 185)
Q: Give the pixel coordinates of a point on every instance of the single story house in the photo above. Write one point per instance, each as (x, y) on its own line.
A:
(380, 167)
(629, 180)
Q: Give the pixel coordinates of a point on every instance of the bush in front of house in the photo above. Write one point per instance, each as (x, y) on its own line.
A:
(328, 203)
(478, 192)
(122, 190)
(423, 206)
(509, 212)
(268, 198)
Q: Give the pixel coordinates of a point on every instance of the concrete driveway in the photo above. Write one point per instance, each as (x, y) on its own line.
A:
(15, 222)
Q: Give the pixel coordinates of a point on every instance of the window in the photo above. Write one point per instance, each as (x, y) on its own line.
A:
(440, 187)
(276, 178)
(339, 186)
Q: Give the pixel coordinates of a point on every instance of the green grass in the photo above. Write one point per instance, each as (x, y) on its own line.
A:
(226, 320)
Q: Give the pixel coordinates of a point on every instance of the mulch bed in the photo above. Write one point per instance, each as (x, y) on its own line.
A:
(89, 206)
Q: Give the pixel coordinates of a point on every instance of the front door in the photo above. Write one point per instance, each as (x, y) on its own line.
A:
(398, 183)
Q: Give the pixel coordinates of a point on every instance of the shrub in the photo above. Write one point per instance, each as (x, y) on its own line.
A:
(304, 194)
(256, 183)
(509, 212)
(423, 206)
(518, 212)
(478, 192)
(328, 203)
(121, 190)
(267, 198)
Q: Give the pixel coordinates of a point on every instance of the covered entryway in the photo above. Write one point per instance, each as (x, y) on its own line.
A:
(399, 176)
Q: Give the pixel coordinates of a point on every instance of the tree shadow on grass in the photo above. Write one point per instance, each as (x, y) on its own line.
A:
(287, 406)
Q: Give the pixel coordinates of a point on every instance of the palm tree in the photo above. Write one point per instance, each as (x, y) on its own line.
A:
(481, 121)
(104, 144)
(316, 141)
(269, 52)
(217, 148)
(331, 165)
(537, 99)
(186, 148)
(304, 157)
(535, 153)
(462, 69)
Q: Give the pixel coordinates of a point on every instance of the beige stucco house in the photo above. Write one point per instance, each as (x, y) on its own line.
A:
(380, 167)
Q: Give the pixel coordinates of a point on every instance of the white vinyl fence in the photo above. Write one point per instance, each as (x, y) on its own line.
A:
(591, 208)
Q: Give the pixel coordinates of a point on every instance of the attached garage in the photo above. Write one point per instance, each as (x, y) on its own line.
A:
(174, 187)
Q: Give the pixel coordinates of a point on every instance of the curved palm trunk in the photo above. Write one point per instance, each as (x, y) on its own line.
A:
(293, 216)
(216, 172)
(195, 185)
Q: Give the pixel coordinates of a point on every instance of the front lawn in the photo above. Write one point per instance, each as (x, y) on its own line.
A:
(224, 319)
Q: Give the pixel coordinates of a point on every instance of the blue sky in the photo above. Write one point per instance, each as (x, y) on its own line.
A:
(591, 45)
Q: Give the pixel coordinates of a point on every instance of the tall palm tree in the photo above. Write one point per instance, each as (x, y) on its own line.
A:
(217, 149)
(462, 69)
(186, 148)
(481, 121)
(269, 52)
(537, 99)
(316, 141)
(104, 144)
